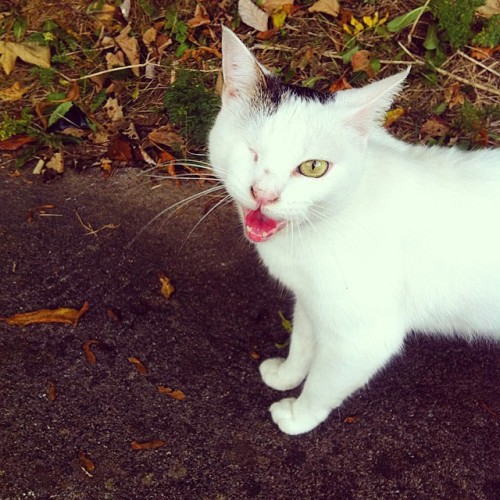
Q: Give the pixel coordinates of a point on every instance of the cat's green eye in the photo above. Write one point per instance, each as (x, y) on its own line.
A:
(313, 168)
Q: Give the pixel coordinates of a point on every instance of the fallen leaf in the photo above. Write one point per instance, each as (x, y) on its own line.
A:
(15, 142)
(148, 445)
(119, 149)
(489, 9)
(56, 163)
(130, 47)
(139, 365)
(271, 6)
(52, 391)
(200, 17)
(113, 109)
(31, 53)
(351, 419)
(252, 16)
(60, 315)
(340, 84)
(255, 355)
(173, 393)
(392, 116)
(481, 53)
(435, 127)
(165, 135)
(89, 354)
(13, 93)
(167, 288)
(453, 95)
(330, 7)
(361, 62)
(103, 12)
(115, 60)
(85, 461)
(149, 37)
(113, 314)
(40, 209)
(264, 35)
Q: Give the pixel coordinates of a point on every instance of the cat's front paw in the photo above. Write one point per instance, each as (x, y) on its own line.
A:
(275, 375)
(288, 415)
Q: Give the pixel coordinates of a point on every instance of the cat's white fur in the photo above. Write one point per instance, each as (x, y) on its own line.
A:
(393, 238)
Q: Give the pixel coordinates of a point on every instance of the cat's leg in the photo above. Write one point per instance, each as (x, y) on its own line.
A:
(284, 374)
(338, 370)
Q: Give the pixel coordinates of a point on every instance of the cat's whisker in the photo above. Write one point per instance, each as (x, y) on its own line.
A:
(223, 202)
(177, 206)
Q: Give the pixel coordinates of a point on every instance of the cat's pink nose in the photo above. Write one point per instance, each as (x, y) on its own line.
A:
(262, 196)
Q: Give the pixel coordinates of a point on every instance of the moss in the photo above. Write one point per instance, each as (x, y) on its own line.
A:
(456, 18)
(191, 106)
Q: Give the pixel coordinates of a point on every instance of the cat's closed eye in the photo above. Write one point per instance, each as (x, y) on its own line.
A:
(313, 168)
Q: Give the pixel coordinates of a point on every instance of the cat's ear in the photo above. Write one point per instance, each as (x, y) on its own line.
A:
(242, 73)
(369, 104)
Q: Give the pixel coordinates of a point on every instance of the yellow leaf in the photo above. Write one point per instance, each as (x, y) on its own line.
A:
(167, 289)
(393, 115)
(173, 393)
(61, 315)
(56, 163)
(31, 53)
(13, 93)
(278, 19)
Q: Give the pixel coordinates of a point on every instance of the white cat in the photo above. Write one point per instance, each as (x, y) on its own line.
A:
(375, 237)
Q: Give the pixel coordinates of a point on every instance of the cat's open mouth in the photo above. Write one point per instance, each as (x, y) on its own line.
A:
(259, 227)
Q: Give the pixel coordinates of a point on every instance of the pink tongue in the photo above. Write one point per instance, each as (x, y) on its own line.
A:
(258, 226)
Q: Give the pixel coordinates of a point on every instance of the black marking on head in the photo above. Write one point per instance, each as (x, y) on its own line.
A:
(273, 92)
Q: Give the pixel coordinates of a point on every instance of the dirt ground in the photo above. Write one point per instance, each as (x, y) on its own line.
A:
(427, 427)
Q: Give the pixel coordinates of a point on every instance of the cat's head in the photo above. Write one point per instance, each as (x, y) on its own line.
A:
(286, 154)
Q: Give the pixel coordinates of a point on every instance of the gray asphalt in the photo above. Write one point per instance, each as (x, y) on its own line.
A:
(426, 428)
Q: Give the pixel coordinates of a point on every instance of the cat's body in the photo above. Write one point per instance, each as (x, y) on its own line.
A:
(376, 238)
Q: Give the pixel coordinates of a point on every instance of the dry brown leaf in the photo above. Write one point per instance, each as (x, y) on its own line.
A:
(40, 209)
(52, 391)
(361, 62)
(15, 142)
(340, 84)
(56, 163)
(330, 7)
(453, 95)
(252, 16)
(60, 315)
(13, 93)
(30, 53)
(85, 461)
(481, 53)
(200, 17)
(89, 354)
(435, 127)
(139, 365)
(351, 419)
(115, 60)
(173, 393)
(148, 445)
(167, 288)
(392, 116)
(119, 149)
(271, 6)
(113, 109)
(149, 37)
(131, 48)
(165, 135)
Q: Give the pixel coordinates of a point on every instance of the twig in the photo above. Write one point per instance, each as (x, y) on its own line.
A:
(410, 34)
(479, 63)
(104, 72)
(460, 79)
